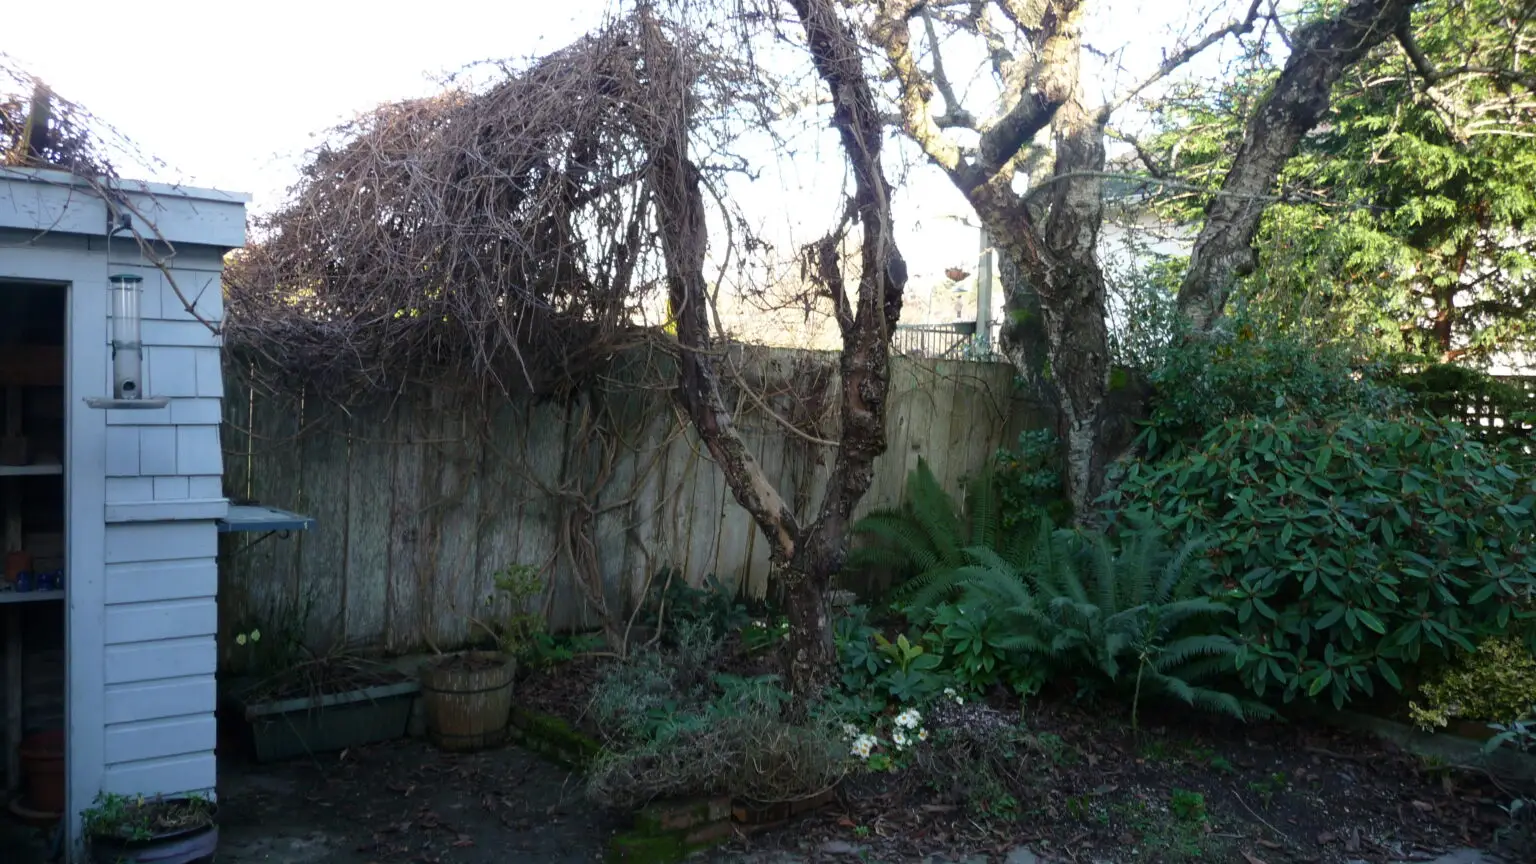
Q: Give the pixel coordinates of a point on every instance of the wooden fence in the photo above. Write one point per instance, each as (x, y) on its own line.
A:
(419, 503)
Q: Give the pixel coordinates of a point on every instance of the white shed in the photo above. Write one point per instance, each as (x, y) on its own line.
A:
(110, 513)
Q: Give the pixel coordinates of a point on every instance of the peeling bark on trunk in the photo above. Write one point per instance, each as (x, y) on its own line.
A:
(1320, 53)
(1024, 341)
(1059, 263)
(1072, 288)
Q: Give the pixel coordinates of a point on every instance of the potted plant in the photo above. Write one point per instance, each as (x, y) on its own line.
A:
(123, 829)
(467, 695)
(305, 703)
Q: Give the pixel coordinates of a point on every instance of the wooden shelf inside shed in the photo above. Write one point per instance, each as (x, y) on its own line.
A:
(30, 596)
(44, 470)
(32, 405)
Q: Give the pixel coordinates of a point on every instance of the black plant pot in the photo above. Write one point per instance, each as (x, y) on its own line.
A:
(181, 846)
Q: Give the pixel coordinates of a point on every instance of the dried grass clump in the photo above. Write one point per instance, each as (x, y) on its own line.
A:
(503, 233)
(669, 729)
(753, 757)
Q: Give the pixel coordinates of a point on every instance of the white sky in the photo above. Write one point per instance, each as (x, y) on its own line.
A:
(230, 96)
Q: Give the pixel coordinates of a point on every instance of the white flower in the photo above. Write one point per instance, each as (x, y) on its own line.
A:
(950, 692)
(850, 730)
(959, 701)
(909, 719)
(899, 738)
(863, 745)
(922, 734)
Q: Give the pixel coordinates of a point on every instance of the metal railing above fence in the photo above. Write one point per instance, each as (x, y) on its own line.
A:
(954, 341)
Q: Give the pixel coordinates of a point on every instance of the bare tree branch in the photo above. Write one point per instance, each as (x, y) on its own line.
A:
(1235, 27)
(1433, 77)
(1273, 15)
(998, 53)
(1153, 166)
(954, 112)
(1000, 143)
(677, 186)
(891, 32)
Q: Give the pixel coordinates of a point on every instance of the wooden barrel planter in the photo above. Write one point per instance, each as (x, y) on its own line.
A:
(468, 699)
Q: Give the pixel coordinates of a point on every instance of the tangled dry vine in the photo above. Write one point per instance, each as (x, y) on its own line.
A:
(503, 236)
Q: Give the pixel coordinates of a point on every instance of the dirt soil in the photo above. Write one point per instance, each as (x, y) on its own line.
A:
(1189, 789)
(1186, 787)
(407, 802)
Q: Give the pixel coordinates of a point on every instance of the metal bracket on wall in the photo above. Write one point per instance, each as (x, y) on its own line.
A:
(248, 518)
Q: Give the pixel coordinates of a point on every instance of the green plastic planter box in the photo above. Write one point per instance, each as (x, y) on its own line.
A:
(307, 725)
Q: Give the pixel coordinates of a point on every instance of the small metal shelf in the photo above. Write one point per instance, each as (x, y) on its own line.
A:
(254, 517)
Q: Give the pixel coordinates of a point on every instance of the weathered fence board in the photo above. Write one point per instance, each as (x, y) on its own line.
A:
(370, 479)
(325, 497)
(419, 503)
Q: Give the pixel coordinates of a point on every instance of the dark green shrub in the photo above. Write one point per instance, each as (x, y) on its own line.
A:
(1443, 389)
(1027, 480)
(1347, 546)
(1013, 607)
(877, 671)
(673, 604)
(1247, 368)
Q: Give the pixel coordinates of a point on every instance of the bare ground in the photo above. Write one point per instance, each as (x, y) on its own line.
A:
(407, 802)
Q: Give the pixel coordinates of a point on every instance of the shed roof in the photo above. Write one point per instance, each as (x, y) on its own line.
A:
(51, 201)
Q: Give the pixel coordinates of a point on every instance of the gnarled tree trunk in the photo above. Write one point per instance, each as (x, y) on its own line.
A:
(1058, 334)
(804, 558)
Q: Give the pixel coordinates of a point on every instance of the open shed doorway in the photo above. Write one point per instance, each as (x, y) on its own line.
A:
(32, 524)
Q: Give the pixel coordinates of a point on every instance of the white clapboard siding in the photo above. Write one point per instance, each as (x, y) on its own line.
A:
(141, 740)
(144, 486)
(155, 700)
(130, 543)
(151, 661)
(185, 773)
(147, 581)
(168, 619)
(164, 489)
